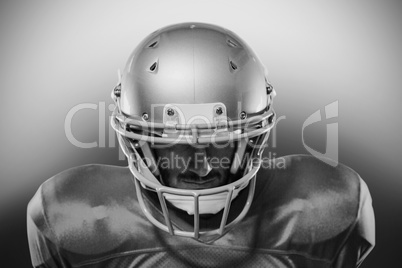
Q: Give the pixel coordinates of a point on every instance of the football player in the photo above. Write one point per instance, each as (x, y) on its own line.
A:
(193, 115)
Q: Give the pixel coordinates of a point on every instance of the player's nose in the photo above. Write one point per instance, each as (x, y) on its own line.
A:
(199, 164)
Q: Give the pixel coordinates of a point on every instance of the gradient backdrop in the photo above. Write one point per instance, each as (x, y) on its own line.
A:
(58, 54)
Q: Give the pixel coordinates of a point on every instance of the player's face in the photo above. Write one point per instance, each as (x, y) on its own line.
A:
(187, 167)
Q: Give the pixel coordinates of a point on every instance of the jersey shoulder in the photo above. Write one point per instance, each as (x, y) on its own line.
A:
(82, 181)
(304, 177)
(80, 187)
(87, 210)
(312, 205)
(312, 179)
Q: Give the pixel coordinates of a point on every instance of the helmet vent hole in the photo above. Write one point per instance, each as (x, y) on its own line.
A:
(153, 45)
(231, 43)
(233, 65)
(153, 67)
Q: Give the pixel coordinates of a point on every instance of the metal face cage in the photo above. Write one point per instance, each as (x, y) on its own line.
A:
(135, 134)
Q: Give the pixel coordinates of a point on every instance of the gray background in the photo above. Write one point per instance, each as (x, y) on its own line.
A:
(57, 54)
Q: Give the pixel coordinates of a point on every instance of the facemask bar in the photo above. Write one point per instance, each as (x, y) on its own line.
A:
(238, 156)
(189, 133)
(256, 125)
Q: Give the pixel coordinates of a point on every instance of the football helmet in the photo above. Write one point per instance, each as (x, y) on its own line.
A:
(197, 84)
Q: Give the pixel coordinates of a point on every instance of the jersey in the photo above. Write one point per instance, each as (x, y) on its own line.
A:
(305, 213)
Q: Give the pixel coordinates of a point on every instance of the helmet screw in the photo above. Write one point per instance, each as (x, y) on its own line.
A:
(170, 112)
(219, 111)
(145, 116)
(269, 88)
(243, 115)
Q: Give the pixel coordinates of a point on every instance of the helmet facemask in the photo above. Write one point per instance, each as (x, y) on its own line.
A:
(249, 137)
(195, 85)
